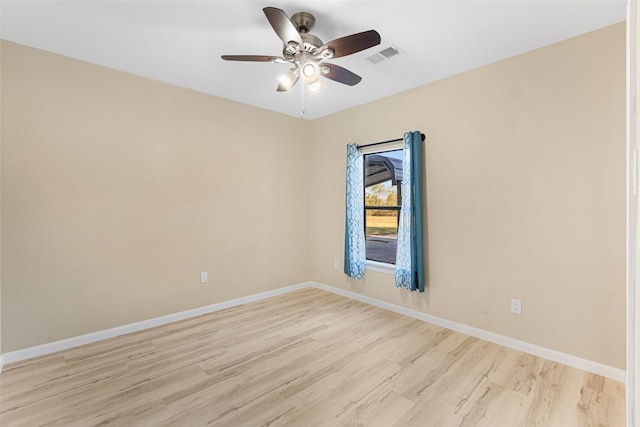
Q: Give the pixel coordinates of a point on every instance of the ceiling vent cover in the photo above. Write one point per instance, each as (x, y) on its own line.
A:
(384, 54)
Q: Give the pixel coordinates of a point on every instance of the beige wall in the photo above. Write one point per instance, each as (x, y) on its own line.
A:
(118, 191)
(525, 178)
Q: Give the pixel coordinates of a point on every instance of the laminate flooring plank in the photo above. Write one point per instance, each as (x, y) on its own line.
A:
(456, 389)
(380, 404)
(331, 396)
(596, 407)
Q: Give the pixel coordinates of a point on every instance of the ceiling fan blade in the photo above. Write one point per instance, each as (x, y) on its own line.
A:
(354, 43)
(339, 74)
(253, 58)
(282, 25)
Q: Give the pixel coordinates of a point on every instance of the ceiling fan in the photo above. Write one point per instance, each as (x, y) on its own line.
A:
(307, 52)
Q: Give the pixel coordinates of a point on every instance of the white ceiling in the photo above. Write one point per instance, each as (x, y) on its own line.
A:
(180, 41)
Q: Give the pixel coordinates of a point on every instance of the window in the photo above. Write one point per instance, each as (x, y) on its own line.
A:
(382, 200)
(368, 233)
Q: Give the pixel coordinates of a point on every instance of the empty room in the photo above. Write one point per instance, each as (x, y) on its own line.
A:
(340, 213)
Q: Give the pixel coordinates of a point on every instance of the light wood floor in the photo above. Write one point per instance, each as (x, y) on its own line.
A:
(307, 358)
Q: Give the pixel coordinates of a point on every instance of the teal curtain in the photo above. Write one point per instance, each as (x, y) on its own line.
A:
(409, 271)
(354, 241)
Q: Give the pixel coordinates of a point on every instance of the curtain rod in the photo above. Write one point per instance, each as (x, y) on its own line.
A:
(387, 142)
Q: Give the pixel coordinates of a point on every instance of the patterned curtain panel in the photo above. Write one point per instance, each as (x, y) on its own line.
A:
(409, 270)
(354, 242)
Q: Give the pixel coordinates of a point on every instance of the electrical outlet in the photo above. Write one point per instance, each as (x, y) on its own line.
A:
(336, 264)
(204, 277)
(516, 306)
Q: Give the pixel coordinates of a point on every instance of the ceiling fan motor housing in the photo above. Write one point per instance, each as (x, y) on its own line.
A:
(310, 42)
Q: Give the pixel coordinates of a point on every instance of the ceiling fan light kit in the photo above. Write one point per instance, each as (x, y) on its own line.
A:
(287, 80)
(316, 87)
(307, 52)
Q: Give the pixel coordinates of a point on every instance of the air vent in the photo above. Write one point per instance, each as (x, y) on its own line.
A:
(384, 54)
(389, 52)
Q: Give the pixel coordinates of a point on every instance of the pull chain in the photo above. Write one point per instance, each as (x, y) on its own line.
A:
(302, 100)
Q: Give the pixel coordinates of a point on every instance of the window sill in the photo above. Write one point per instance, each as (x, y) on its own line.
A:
(381, 267)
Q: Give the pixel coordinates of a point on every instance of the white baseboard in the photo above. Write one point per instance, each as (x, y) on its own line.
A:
(556, 356)
(39, 350)
(553, 355)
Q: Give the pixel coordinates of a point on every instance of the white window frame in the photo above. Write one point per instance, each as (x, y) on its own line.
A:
(382, 267)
